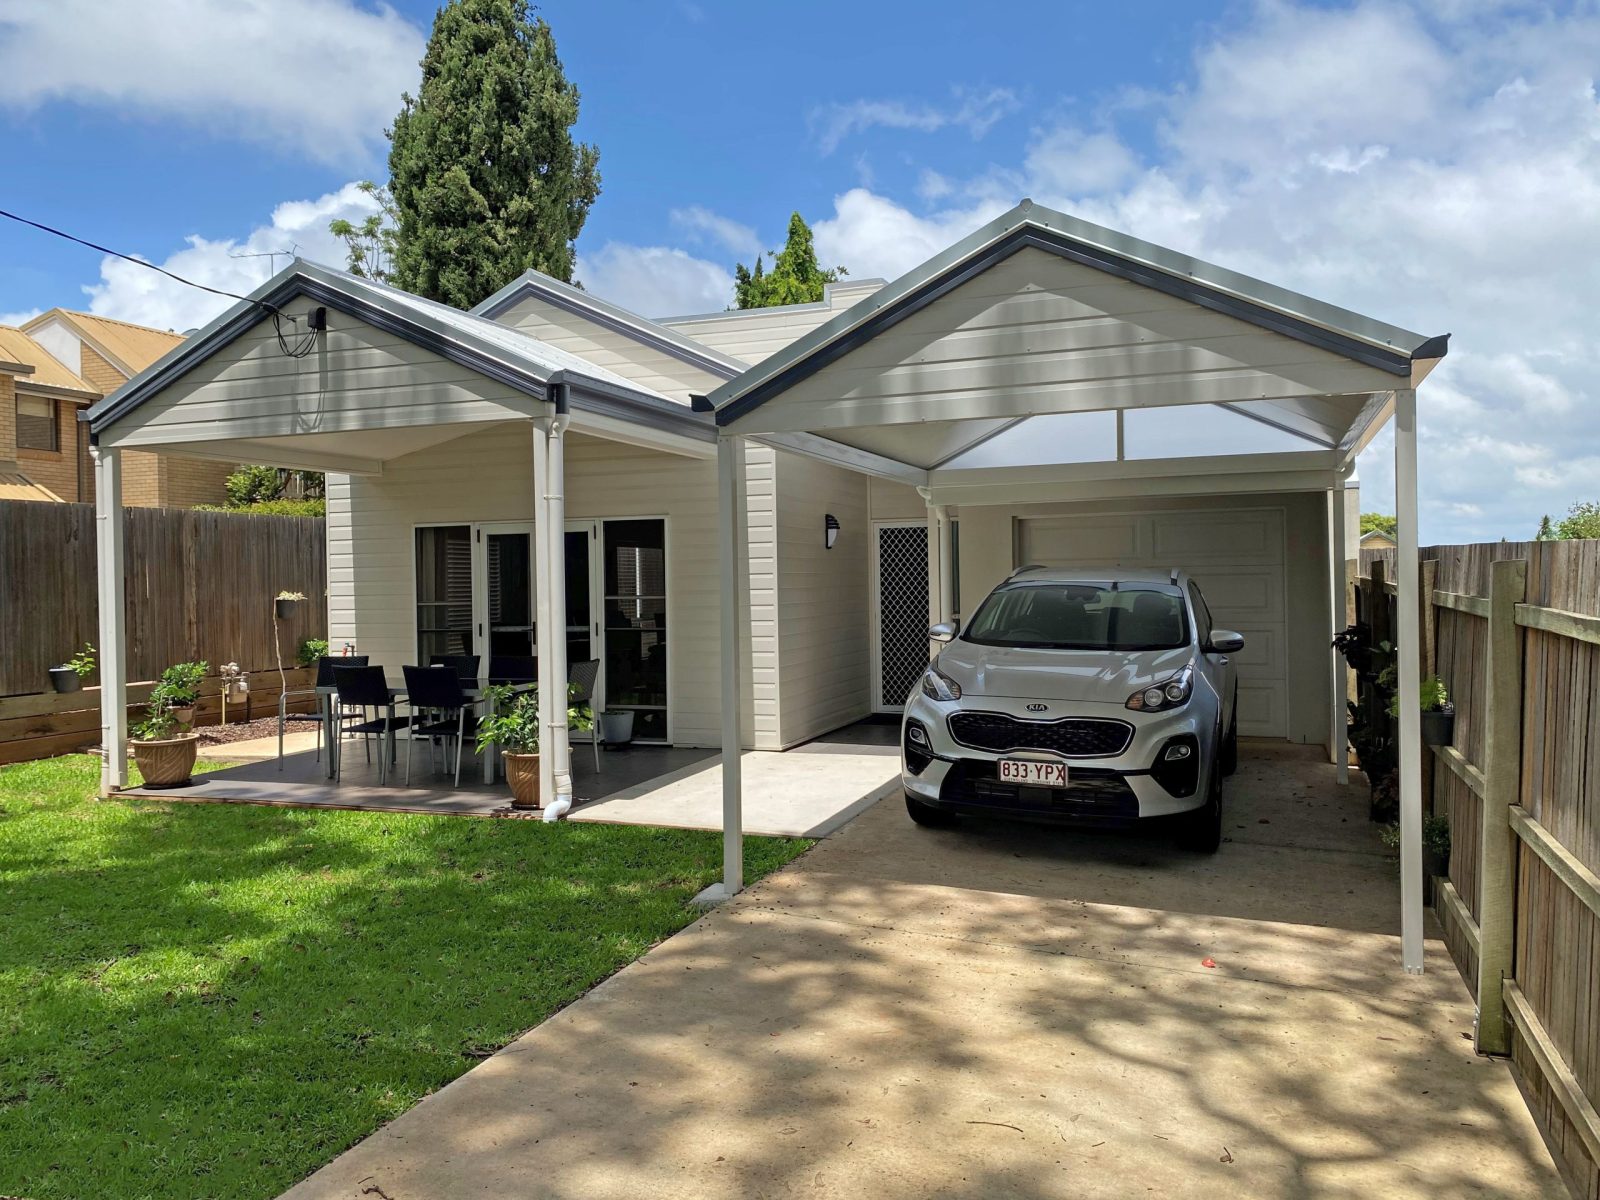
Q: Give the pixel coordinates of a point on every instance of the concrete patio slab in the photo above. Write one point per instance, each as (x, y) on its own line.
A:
(1006, 1011)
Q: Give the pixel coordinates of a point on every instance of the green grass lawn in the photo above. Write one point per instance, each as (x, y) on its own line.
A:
(214, 1000)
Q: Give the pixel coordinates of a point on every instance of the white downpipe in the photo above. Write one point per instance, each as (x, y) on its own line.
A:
(1340, 698)
(730, 465)
(556, 720)
(945, 535)
(541, 596)
(1409, 630)
(109, 565)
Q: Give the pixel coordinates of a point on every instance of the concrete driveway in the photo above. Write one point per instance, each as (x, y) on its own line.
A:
(1006, 1012)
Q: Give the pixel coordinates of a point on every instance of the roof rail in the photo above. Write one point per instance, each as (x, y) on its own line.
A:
(1174, 576)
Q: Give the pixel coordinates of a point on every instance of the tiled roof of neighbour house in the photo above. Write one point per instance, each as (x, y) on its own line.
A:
(14, 485)
(48, 371)
(129, 346)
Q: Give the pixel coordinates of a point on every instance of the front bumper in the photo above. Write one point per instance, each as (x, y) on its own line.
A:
(1118, 789)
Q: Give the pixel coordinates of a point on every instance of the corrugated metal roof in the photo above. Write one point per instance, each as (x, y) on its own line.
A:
(16, 346)
(131, 346)
(14, 485)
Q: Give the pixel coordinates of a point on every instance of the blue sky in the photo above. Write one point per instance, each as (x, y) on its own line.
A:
(1434, 165)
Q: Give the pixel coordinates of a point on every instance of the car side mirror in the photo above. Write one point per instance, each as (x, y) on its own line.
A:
(942, 632)
(1224, 641)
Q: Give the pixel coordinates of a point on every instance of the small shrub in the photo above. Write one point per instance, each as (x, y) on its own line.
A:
(82, 662)
(310, 650)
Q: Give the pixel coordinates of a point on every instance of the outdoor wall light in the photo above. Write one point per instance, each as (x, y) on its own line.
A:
(830, 530)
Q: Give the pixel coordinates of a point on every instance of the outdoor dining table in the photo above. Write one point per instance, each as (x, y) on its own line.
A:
(326, 704)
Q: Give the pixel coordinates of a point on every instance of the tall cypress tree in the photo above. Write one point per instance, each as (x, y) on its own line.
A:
(486, 178)
(795, 278)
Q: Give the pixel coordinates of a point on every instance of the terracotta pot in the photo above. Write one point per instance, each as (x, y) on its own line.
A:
(522, 773)
(168, 762)
(184, 715)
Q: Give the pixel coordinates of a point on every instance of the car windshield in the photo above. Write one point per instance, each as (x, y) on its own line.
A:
(1081, 616)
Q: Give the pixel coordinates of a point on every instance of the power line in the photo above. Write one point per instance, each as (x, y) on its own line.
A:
(136, 261)
(299, 350)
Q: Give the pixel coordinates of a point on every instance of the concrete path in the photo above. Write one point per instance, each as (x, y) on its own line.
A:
(1005, 1011)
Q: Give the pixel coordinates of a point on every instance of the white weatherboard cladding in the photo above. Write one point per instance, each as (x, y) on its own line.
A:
(1261, 566)
(360, 378)
(627, 356)
(750, 335)
(487, 476)
(1038, 333)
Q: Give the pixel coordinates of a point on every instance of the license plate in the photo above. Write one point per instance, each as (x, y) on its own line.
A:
(1036, 774)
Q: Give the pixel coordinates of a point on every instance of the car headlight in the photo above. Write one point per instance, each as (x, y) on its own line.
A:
(936, 685)
(1159, 697)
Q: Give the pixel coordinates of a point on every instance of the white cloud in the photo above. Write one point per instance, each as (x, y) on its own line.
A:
(320, 78)
(1452, 184)
(655, 281)
(17, 318)
(703, 225)
(131, 292)
(976, 111)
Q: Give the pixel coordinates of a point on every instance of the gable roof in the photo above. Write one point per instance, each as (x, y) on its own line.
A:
(1363, 339)
(539, 286)
(14, 485)
(493, 350)
(44, 370)
(128, 347)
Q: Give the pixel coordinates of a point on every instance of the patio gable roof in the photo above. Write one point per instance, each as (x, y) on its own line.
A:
(519, 372)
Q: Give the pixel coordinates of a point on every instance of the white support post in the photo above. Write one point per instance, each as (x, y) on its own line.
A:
(556, 715)
(549, 688)
(1338, 733)
(730, 467)
(1408, 630)
(113, 650)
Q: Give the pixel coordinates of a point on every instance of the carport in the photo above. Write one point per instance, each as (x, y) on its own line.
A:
(1044, 359)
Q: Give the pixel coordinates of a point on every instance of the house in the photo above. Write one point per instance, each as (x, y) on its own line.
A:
(100, 355)
(760, 511)
(43, 449)
(1377, 539)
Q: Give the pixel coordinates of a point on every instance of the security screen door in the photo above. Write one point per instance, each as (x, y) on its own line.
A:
(900, 622)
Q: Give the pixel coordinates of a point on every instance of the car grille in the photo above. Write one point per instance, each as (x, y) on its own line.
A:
(1090, 794)
(1073, 737)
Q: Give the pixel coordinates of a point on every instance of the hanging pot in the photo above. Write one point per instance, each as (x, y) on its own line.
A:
(1436, 861)
(522, 773)
(65, 679)
(1439, 728)
(284, 608)
(168, 762)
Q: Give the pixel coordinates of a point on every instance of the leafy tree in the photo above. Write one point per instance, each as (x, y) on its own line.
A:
(1382, 522)
(1582, 521)
(261, 490)
(1546, 532)
(795, 278)
(486, 178)
(369, 246)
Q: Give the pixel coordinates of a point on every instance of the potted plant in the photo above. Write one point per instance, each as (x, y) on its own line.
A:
(1438, 712)
(69, 676)
(283, 606)
(165, 755)
(1435, 844)
(512, 724)
(310, 650)
(178, 691)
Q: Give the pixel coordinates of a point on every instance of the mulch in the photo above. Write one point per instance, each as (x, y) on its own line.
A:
(244, 731)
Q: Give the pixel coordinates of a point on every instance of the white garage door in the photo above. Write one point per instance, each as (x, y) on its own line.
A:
(1237, 557)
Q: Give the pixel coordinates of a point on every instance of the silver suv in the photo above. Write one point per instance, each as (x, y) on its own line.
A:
(1100, 697)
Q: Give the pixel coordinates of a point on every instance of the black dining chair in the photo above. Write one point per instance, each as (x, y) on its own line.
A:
(464, 665)
(361, 689)
(325, 666)
(513, 668)
(439, 709)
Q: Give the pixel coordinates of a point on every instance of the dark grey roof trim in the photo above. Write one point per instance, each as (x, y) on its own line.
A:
(1380, 346)
(610, 316)
(637, 408)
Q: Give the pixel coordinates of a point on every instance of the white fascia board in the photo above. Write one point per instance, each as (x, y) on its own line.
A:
(840, 455)
(1139, 469)
(1374, 416)
(629, 433)
(1045, 491)
(270, 453)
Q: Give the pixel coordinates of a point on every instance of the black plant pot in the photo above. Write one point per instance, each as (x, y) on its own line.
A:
(65, 679)
(1439, 728)
(1435, 862)
(285, 608)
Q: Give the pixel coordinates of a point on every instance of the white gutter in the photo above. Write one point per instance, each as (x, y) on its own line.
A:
(556, 715)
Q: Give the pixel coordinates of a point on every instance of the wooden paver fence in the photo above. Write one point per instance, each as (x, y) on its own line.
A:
(199, 585)
(1515, 636)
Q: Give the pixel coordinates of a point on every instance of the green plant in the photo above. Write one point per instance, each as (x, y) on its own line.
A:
(179, 685)
(306, 507)
(1435, 835)
(1432, 697)
(159, 722)
(82, 662)
(290, 596)
(796, 276)
(513, 720)
(310, 650)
